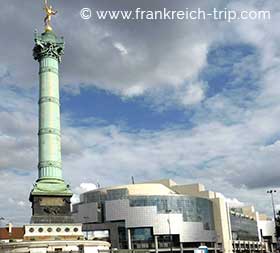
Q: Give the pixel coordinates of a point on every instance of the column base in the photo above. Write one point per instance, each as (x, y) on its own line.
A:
(51, 203)
(51, 186)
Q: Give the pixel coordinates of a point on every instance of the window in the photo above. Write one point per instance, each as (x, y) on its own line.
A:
(142, 234)
(122, 237)
(117, 194)
(142, 238)
(101, 234)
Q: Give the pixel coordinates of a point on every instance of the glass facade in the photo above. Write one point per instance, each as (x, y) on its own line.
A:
(117, 194)
(142, 234)
(243, 228)
(142, 238)
(193, 209)
(94, 196)
(100, 197)
(97, 234)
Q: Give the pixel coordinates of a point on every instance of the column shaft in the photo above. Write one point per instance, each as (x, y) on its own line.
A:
(49, 121)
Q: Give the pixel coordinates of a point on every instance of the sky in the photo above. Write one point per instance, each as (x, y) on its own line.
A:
(190, 100)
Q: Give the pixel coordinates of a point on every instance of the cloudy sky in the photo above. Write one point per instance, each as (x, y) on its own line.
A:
(195, 101)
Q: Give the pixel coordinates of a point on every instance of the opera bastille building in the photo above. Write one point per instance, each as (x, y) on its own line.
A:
(161, 216)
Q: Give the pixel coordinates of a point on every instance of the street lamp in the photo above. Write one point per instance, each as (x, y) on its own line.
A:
(274, 213)
(272, 201)
(169, 226)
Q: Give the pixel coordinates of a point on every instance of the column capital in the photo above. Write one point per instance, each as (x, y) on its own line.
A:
(48, 45)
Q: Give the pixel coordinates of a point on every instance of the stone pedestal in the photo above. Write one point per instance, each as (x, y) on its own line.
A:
(51, 209)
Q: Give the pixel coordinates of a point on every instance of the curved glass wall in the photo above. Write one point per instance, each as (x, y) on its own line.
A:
(193, 209)
(243, 228)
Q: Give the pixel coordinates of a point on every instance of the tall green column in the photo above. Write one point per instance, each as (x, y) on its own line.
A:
(51, 195)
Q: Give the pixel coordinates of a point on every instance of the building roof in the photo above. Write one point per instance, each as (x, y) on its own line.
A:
(159, 187)
(149, 189)
(145, 189)
(17, 233)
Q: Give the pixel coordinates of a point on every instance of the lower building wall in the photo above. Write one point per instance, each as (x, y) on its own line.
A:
(162, 223)
(53, 246)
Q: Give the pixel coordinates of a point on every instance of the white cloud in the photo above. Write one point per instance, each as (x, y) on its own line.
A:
(134, 91)
(83, 187)
(194, 94)
(21, 203)
(121, 48)
(234, 202)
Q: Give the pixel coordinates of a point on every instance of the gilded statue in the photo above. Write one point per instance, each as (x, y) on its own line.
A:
(49, 13)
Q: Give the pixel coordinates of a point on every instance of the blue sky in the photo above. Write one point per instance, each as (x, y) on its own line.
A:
(107, 108)
(139, 113)
(191, 101)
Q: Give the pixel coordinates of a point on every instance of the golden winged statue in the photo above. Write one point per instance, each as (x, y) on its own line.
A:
(49, 13)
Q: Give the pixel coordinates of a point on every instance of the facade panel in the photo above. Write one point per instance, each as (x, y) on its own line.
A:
(243, 228)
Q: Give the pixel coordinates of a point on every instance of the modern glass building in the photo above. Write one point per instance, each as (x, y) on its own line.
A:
(164, 216)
